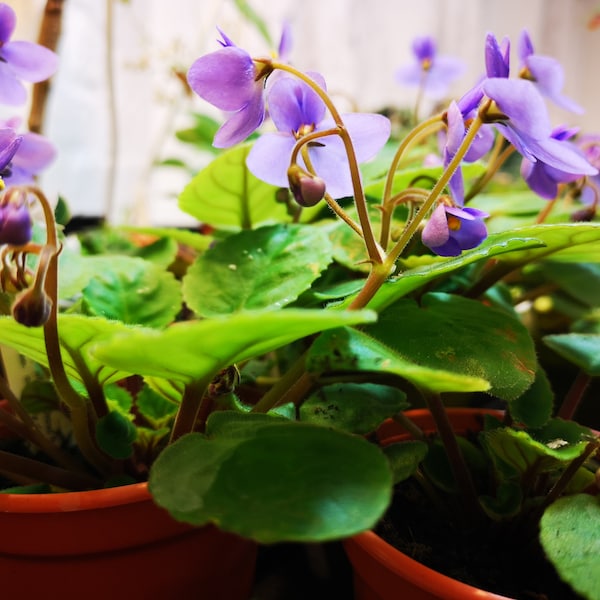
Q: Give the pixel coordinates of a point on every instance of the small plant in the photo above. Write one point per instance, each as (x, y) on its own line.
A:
(345, 271)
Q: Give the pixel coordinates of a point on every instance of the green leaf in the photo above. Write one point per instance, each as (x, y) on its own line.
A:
(506, 503)
(195, 350)
(155, 408)
(534, 407)
(346, 350)
(572, 242)
(405, 458)
(582, 349)
(453, 334)
(267, 267)
(143, 294)
(570, 536)
(115, 435)
(553, 447)
(285, 481)
(77, 335)
(354, 407)
(227, 196)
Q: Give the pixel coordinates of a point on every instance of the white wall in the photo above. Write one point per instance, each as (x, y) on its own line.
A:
(355, 44)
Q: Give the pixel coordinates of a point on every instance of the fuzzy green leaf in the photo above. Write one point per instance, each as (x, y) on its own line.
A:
(570, 536)
(285, 481)
(347, 350)
(267, 267)
(462, 336)
(405, 458)
(115, 435)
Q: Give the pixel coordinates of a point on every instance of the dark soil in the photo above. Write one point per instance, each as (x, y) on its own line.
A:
(499, 558)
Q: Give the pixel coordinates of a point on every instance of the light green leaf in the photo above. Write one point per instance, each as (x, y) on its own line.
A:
(227, 196)
(77, 335)
(267, 267)
(194, 350)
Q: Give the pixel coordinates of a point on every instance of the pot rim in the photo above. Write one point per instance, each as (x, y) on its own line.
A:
(73, 501)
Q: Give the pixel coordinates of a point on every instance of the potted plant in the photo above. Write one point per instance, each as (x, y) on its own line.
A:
(245, 378)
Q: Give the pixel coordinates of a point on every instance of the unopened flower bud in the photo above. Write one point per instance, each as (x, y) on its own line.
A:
(32, 308)
(15, 224)
(308, 189)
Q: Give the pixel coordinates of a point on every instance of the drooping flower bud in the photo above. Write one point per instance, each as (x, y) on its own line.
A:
(15, 224)
(308, 189)
(32, 308)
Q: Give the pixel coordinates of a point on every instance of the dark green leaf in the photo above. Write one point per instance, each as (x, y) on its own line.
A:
(154, 407)
(405, 458)
(534, 407)
(115, 435)
(582, 349)
(461, 336)
(284, 482)
(354, 407)
(347, 350)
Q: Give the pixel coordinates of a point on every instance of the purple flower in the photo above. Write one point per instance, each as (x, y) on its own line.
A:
(20, 60)
(232, 81)
(451, 229)
(33, 155)
(590, 146)
(542, 178)
(524, 122)
(546, 73)
(296, 111)
(9, 144)
(433, 72)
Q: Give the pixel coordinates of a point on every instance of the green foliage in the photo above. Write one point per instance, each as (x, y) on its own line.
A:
(354, 407)
(581, 349)
(344, 487)
(268, 267)
(570, 535)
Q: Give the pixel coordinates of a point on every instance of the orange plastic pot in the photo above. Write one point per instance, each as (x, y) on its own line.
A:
(381, 572)
(115, 543)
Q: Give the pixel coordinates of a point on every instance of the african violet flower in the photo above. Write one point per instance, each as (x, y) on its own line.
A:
(20, 60)
(431, 71)
(542, 178)
(33, 155)
(452, 229)
(9, 144)
(546, 72)
(232, 81)
(297, 110)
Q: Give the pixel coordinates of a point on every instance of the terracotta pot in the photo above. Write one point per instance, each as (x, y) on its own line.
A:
(115, 543)
(381, 572)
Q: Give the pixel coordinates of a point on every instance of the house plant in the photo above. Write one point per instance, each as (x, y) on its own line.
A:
(245, 384)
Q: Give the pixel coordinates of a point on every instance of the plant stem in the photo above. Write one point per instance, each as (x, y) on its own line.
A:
(42, 472)
(191, 401)
(572, 400)
(455, 456)
(376, 255)
(82, 419)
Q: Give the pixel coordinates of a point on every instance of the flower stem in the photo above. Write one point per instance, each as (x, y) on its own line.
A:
(376, 254)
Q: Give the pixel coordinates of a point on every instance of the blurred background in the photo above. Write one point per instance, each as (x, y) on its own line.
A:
(118, 98)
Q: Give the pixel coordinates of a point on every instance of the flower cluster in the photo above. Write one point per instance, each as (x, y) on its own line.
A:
(322, 151)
